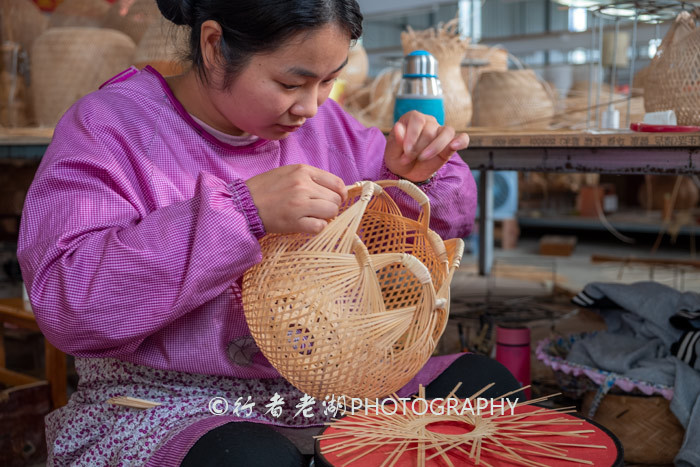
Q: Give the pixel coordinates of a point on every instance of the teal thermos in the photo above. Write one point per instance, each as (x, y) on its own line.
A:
(420, 87)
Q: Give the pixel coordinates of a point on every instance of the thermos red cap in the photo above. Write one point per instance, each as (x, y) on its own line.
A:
(512, 335)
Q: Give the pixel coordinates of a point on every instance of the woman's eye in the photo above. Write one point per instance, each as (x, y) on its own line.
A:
(289, 86)
(330, 81)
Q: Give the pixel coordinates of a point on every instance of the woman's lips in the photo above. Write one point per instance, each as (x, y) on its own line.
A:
(289, 129)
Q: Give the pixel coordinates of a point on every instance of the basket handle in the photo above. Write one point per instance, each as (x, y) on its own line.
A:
(423, 201)
(410, 262)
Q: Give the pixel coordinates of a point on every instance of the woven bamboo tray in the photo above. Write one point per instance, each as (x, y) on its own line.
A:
(358, 309)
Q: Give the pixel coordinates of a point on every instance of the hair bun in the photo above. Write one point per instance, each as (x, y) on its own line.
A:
(177, 11)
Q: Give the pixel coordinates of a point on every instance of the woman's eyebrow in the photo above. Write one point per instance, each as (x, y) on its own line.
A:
(310, 74)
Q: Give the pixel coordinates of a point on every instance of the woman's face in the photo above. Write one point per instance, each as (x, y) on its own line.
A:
(275, 94)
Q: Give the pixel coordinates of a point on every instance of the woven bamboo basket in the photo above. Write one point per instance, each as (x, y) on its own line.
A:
(479, 59)
(578, 111)
(161, 47)
(132, 17)
(445, 44)
(514, 98)
(640, 415)
(22, 22)
(645, 425)
(355, 71)
(358, 309)
(68, 63)
(86, 13)
(672, 80)
(13, 89)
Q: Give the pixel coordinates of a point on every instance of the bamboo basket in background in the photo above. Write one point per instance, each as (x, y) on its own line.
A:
(358, 309)
(479, 59)
(132, 17)
(355, 71)
(84, 13)
(448, 49)
(577, 111)
(22, 22)
(68, 63)
(373, 104)
(161, 47)
(672, 80)
(513, 98)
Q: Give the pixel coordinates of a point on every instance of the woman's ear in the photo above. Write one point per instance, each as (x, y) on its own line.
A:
(209, 40)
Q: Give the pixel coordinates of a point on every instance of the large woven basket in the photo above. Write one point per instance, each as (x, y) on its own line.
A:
(132, 17)
(513, 98)
(672, 80)
(358, 309)
(645, 425)
(162, 46)
(68, 63)
(21, 21)
(85, 13)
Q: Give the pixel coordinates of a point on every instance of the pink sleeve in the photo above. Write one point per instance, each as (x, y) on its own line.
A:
(104, 271)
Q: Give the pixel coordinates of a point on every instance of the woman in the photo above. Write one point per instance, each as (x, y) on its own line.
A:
(147, 209)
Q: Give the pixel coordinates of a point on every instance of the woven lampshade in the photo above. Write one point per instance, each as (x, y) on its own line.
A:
(672, 80)
(68, 63)
(132, 17)
(358, 309)
(161, 47)
(88, 13)
(513, 98)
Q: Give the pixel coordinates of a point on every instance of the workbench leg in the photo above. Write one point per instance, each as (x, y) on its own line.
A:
(485, 222)
(56, 368)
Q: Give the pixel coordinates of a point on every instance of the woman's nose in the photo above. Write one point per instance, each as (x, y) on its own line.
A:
(307, 105)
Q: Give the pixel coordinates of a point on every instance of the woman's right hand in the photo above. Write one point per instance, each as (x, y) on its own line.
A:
(296, 198)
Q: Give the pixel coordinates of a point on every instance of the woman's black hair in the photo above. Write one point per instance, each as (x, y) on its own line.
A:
(257, 26)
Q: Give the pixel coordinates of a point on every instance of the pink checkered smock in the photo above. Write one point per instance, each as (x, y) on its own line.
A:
(135, 234)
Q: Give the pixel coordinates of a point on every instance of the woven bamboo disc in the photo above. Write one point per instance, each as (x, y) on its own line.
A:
(481, 58)
(68, 63)
(514, 98)
(86, 13)
(161, 47)
(672, 80)
(132, 17)
(448, 49)
(358, 309)
(645, 425)
(22, 22)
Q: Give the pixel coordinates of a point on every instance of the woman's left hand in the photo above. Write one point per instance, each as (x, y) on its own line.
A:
(418, 146)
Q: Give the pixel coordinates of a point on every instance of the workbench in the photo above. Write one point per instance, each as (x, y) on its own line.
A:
(621, 152)
(612, 152)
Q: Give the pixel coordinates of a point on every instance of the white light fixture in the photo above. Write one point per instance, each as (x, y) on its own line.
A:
(619, 12)
(579, 3)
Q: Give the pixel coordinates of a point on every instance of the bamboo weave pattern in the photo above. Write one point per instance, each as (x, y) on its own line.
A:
(358, 309)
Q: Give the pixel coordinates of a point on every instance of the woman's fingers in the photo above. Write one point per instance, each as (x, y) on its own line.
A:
(296, 198)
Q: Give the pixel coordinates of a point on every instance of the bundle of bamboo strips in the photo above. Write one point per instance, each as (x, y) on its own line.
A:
(513, 438)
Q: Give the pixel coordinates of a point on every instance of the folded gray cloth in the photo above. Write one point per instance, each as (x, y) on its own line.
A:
(653, 335)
